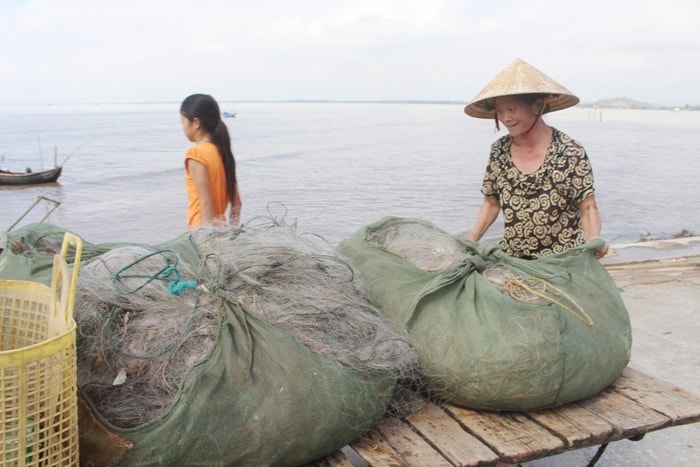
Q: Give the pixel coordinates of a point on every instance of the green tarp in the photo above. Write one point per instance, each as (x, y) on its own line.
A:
(547, 332)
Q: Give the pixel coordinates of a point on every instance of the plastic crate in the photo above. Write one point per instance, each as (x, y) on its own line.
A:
(38, 367)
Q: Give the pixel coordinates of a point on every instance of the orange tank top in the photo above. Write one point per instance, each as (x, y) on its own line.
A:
(208, 155)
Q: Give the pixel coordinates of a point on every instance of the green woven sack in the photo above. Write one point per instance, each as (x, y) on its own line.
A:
(260, 396)
(492, 331)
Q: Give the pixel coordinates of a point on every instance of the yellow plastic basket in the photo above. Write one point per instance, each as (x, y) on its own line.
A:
(38, 367)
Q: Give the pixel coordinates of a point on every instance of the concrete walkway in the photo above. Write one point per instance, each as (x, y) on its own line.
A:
(660, 285)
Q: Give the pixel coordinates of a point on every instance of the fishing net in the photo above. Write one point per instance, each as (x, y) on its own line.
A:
(248, 347)
(492, 331)
(136, 338)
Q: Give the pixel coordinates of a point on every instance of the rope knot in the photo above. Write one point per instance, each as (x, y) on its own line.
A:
(176, 286)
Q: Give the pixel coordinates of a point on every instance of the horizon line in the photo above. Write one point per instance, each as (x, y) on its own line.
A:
(639, 105)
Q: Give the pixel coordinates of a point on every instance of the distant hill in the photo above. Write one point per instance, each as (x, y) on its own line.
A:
(626, 103)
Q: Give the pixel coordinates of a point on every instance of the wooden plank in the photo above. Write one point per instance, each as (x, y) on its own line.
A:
(433, 435)
(338, 459)
(446, 434)
(412, 448)
(374, 449)
(628, 418)
(575, 425)
(512, 435)
(676, 403)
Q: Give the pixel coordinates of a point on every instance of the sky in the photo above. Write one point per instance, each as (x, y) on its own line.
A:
(125, 51)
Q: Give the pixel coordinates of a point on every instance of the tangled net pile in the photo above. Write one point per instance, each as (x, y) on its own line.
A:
(427, 247)
(144, 319)
(135, 338)
(297, 285)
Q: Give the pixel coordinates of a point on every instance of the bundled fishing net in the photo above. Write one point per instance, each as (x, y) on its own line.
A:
(137, 336)
(144, 318)
(297, 284)
(255, 346)
(493, 331)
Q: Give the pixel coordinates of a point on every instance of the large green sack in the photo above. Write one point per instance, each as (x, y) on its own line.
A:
(260, 397)
(562, 333)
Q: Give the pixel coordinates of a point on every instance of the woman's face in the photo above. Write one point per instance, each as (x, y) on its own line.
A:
(516, 114)
(189, 127)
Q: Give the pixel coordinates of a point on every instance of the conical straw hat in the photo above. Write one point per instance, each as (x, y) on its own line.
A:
(520, 78)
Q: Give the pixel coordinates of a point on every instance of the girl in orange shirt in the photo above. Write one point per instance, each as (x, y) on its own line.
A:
(210, 168)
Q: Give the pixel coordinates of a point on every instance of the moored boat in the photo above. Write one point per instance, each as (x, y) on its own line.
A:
(8, 177)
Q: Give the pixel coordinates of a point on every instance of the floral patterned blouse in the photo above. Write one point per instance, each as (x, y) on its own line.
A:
(540, 209)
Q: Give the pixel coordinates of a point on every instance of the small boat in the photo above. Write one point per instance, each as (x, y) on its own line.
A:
(28, 177)
(227, 114)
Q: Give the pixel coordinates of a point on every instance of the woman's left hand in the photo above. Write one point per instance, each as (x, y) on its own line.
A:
(601, 251)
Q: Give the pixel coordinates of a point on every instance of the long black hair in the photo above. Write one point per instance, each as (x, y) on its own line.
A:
(206, 109)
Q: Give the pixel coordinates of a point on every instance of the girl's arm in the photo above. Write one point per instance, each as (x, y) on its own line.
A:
(199, 175)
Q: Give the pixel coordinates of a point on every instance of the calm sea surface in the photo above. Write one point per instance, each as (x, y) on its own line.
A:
(333, 167)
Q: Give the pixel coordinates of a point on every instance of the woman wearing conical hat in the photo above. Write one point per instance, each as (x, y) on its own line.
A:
(540, 178)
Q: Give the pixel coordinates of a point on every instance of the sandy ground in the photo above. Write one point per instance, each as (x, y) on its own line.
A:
(660, 285)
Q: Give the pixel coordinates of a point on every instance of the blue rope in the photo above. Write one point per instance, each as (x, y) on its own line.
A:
(176, 286)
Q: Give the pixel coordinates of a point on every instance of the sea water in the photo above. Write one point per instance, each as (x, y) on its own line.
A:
(332, 167)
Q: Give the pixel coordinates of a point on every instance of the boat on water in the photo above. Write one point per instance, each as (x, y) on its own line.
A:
(29, 177)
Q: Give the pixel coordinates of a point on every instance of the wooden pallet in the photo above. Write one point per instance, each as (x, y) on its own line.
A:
(446, 435)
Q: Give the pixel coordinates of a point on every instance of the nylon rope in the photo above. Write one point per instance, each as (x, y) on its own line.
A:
(529, 289)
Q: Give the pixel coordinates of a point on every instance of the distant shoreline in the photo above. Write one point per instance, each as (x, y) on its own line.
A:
(625, 103)
(621, 103)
